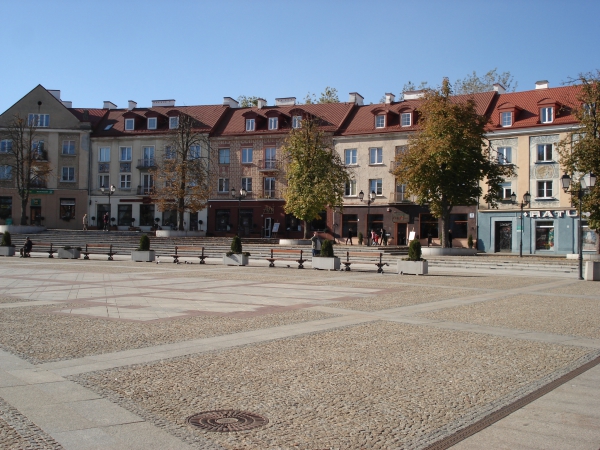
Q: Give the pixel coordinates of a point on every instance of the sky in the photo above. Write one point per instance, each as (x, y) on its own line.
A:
(198, 52)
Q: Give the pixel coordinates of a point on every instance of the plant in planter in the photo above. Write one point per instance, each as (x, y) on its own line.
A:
(470, 241)
(360, 238)
(6, 247)
(326, 260)
(236, 257)
(68, 252)
(143, 253)
(414, 264)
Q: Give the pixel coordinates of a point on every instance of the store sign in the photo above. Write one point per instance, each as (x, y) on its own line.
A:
(41, 191)
(400, 217)
(268, 210)
(36, 202)
(550, 214)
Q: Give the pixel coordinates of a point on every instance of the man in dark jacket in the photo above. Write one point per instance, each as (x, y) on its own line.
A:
(26, 249)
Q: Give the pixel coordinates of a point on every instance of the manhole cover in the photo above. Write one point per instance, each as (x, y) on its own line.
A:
(227, 420)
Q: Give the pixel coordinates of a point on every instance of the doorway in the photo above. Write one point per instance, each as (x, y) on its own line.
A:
(268, 225)
(35, 215)
(503, 237)
(401, 233)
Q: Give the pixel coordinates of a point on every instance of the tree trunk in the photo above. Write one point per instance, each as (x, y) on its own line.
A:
(445, 223)
(305, 229)
(24, 210)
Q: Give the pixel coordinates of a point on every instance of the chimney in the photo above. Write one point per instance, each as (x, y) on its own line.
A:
(132, 105)
(261, 103)
(167, 103)
(67, 104)
(499, 88)
(389, 98)
(109, 105)
(285, 101)
(356, 98)
(413, 95)
(228, 101)
(542, 84)
(55, 93)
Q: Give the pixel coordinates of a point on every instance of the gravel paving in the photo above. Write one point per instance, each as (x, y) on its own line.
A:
(574, 316)
(589, 288)
(17, 432)
(378, 385)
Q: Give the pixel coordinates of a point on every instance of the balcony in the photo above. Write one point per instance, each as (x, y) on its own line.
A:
(268, 165)
(393, 166)
(399, 197)
(146, 163)
(143, 190)
(39, 155)
(38, 183)
(125, 167)
(104, 168)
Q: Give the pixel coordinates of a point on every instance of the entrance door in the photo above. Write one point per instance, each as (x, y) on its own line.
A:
(268, 224)
(36, 213)
(503, 237)
(401, 233)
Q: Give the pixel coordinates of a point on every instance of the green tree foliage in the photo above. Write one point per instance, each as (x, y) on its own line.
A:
(472, 84)
(247, 101)
(414, 250)
(6, 240)
(327, 249)
(448, 157)
(329, 95)
(580, 150)
(236, 244)
(410, 86)
(315, 173)
(144, 243)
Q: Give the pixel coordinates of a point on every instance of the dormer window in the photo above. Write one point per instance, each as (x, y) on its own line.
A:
(506, 119)
(152, 123)
(273, 123)
(250, 124)
(405, 119)
(173, 122)
(380, 121)
(546, 115)
(297, 122)
(129, 124)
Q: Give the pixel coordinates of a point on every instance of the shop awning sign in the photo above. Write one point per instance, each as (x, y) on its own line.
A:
(550, 214)
(41, 191)
(400, 217)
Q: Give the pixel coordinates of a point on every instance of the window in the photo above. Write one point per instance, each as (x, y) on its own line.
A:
(68, 174)
(247, 154)
(223, 185)
(247, 184)
(129, 124)
(504, 155)
(223, 156)
(544, 189)
(169, 152)
(350, 157)
(39, 120)
(270, 158)
(400, 192)
(152, 123)
(405, 119)
(147, 183)
(37, 149)
(103, 181)
(125, 182)
(104, 154)
(505, 191)
(5, 207)
(5, 172)
(429, 226)
(273, 123)
(380, 121)
(376, 155)
(124, 215)
(376, 185)
(68, 148)
(544, 152)
(350, 189)
(5, 146)
(506, 119)
(146, 215)
(270, 187)
(546, 115)
(249, 124)
(544, 235)
(67, 208)
(195, 152)
(459, 225)
(349, 222)
(125, 153)
(173, 122)
(297, 122)
(222, 220)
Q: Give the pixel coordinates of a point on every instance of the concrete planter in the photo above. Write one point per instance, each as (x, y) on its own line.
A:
(7, 251)
(21, 229)
(412, 267)
(142, 256)
(320, 262)
(591, 271)
(237, 259)
(71, 253)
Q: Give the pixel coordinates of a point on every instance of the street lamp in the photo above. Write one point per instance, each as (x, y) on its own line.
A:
(371, 199)
(586, 182)
(524, 202)
(109, 192)
(242, 196)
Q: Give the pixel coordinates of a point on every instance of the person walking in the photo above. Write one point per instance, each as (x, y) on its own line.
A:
(450, 238)
(316, 244)
(106, 220)
(85, 222)
(349, 236)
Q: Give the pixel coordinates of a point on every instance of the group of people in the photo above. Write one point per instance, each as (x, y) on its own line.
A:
(105, 219)
(378, 238)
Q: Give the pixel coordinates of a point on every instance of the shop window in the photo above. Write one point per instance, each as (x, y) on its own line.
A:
(146, 215)
(124, 215)
(459, 225)
(169, 219)
(375, 222)
(590, 237)
(5, 208)
(349, 222)
(428, 226)
(319, 224)
(544, 235)
(67, 208)
(222, 219)
(292, 223)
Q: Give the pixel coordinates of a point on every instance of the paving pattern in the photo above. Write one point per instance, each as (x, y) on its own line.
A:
(101, 354)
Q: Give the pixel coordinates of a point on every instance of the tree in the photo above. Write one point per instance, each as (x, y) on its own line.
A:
(580, 150)
(182, 177)
(472, 84)
(315, 173)
(26, 158)
(329, 95)
(247, 102)
(448, 157)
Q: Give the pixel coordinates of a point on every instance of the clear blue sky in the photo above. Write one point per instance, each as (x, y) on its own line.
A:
(197, 52)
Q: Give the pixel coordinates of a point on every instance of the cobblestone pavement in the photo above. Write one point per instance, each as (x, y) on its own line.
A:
(119, 355)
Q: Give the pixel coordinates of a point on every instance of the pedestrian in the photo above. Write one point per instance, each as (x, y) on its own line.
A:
(383, 237)
(374, 236)
(106, 220)
(316, 244)
(429, 239)
(349, 236)
(85, 222)
(26, 249)
(450, 238)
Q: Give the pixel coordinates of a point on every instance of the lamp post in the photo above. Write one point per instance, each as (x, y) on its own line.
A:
(370, 200)
(586, 182)
(109, 192)
(242, 196)
(524, 202)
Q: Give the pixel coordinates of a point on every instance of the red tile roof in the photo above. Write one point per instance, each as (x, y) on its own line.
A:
(94, 115)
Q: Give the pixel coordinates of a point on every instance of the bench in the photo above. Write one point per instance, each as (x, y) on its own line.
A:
(274, 258)
(378, 256)
(87, 252)
(191, 251)
(45, 248)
